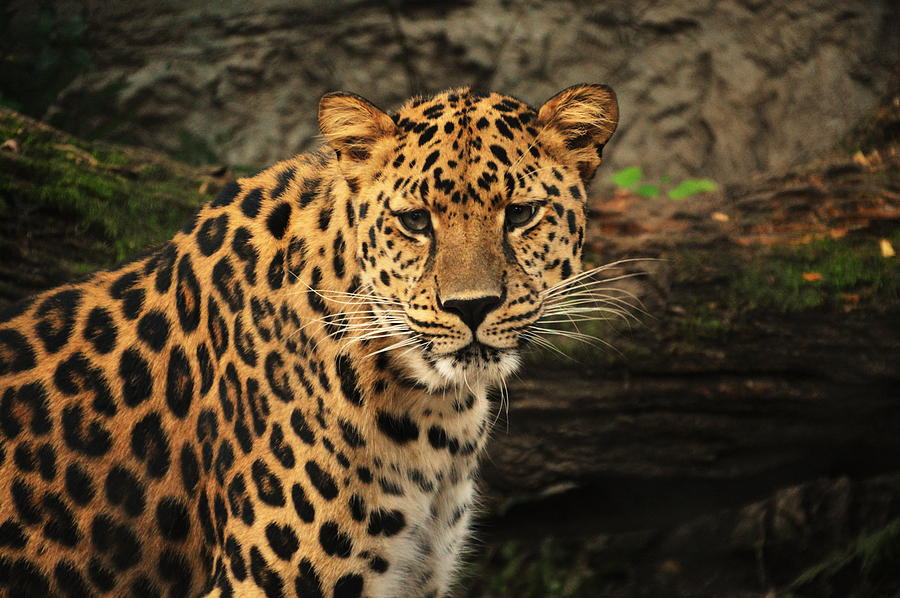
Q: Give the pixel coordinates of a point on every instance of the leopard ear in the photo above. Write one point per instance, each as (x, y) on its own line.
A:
(352, 125)
(585, 116)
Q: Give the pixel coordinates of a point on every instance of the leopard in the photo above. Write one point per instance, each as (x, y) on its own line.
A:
(291, 396)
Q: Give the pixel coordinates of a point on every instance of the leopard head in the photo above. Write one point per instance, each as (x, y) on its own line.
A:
(470, 207)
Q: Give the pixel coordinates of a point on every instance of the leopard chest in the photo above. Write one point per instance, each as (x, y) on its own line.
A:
(428, 483)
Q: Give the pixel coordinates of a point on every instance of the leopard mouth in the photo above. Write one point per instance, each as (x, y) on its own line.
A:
(476, 353)
(476, 365)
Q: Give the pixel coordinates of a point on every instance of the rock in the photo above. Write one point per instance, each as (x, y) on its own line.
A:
(827, 538)
(725, 90)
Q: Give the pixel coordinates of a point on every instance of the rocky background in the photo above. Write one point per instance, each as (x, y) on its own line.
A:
(723, 88)
(741, 440)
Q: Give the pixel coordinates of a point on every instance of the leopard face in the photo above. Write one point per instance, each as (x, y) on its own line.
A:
(470, 207)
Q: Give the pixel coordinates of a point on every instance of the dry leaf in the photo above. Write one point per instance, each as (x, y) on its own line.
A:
(887, 250)
(812, 276)
(10, 145)
(720, 217)
(837, 233)
(851, 301)
(620, 202)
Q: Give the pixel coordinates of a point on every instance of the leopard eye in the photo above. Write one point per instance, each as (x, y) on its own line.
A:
(519, 214)
(416, 221)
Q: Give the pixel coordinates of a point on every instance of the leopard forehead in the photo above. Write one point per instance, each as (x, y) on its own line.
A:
(465, 152)
(462, 152)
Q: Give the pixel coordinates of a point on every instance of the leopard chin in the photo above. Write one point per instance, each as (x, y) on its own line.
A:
(476, 368)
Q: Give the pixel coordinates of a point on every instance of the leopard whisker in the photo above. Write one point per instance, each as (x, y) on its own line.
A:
(500, 388)
(588, 309)
(379, 329)
(377, 334)
(356, 341)
(397, 345)
(573, 320)
(599, 289)
(612, 295)
(361, 297)
(363, 322)
(599, 305)
(366, 332)
(581, 284)
(362, 313)
(589, 300)
(371, 315)
(576, 336)
(537, 340)
(590, 272)
(526, 152)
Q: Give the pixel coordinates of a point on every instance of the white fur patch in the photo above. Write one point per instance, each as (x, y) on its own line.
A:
(448, 372)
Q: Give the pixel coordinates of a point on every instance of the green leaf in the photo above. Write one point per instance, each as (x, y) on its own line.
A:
(628, 177)
(648, 191)
(689, 187)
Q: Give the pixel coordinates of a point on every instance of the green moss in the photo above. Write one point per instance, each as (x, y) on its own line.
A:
(870, 556)
(115, 199)
(552, 567)
(717, 290)
(110, 156)
(155, 172)
(80, 267)
(719, 293)
(701, 325)
(193, 149)
(775, 280)
(545, 570)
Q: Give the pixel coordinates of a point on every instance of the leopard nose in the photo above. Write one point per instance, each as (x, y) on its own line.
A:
(472, 311)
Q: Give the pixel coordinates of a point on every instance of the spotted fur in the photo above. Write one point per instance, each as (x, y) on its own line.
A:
(290, 397)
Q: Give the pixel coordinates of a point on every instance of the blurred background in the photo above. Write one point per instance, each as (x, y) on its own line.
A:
(742, 436)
